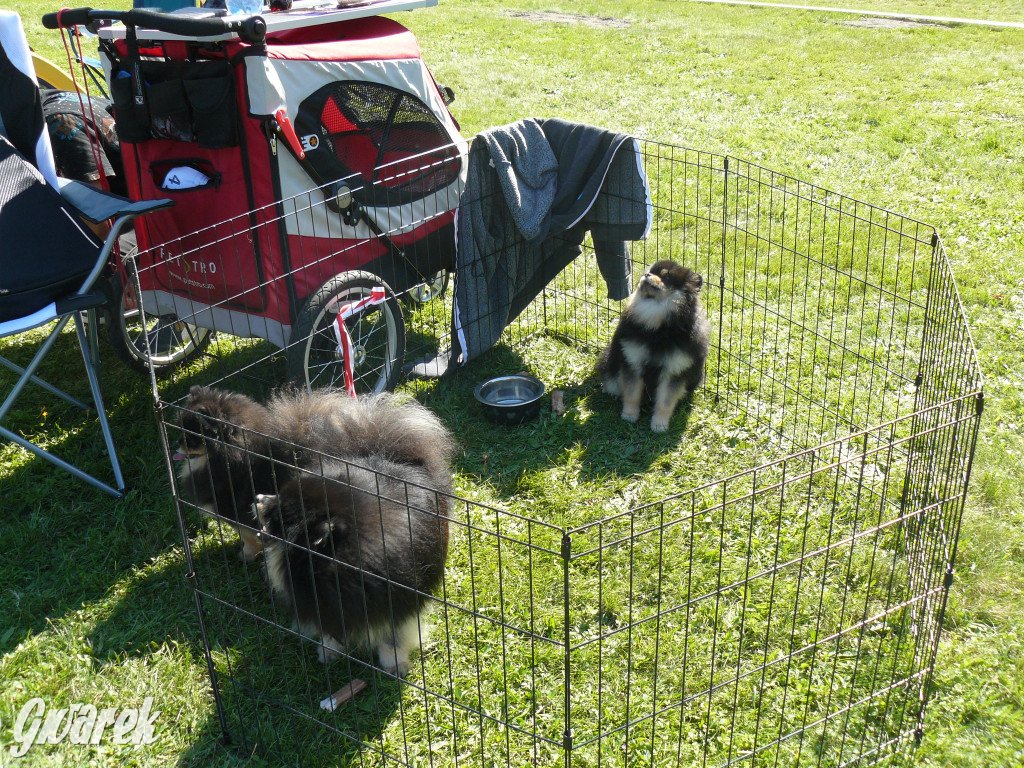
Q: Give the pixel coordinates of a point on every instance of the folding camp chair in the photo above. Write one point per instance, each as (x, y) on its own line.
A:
(50, 262)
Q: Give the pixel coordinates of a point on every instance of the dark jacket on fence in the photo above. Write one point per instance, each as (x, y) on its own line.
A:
(534, 190)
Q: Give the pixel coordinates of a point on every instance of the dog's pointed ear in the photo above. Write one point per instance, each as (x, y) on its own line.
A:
(320, 533)
(267, 508)
(696, 281)
(204, 415)
(212, 422)
(333, 529)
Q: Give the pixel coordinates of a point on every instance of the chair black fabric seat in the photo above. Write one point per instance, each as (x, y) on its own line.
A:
(45, 249)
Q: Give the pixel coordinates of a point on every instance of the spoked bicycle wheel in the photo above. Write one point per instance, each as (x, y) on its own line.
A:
(376, 332)
(172, 341)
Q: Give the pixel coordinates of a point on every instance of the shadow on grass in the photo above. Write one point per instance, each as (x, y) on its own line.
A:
(591, 429)
(68, 541)
(261, 727)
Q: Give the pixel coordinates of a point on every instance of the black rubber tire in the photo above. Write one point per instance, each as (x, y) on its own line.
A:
(377, 333)
(179, 342)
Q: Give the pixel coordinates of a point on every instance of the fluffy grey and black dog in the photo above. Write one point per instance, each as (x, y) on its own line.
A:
(356, 543)
(233, 448)
(660, 344)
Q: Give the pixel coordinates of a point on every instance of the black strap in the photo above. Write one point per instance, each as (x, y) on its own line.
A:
(139, 109)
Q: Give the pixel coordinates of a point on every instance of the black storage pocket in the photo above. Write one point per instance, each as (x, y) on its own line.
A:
(214, 117)
(169, 116)
(132, 124)
(184, 101)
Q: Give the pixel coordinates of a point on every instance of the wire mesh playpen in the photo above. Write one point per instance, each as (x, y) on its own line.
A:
(763, 585)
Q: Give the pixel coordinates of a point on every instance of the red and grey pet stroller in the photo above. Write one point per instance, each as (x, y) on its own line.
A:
(315, 169)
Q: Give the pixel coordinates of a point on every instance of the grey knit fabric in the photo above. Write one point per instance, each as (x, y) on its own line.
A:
(534, 189)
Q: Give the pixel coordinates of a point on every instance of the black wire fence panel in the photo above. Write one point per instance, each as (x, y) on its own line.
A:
(766, 589)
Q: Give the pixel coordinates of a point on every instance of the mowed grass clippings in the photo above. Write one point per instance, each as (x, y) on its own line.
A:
(921, 120)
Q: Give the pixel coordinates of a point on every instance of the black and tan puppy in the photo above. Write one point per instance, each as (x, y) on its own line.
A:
(660, 344)
(354, 547)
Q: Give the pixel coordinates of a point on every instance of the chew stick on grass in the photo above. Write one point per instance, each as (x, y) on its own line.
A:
(342, 695)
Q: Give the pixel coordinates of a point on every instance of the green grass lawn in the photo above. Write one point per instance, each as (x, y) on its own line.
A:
(922, 120)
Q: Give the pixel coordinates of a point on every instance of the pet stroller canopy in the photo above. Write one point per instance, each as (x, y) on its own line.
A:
(365, 108)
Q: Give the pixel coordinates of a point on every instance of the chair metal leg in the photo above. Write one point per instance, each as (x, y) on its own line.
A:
(32, 448)
(45, 385)
(89, 343)
(32, 366)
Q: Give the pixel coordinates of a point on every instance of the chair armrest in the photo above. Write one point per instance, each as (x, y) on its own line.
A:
(96, 205)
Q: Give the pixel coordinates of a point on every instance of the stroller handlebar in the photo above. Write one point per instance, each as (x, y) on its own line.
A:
(251, 29)
(69, 17)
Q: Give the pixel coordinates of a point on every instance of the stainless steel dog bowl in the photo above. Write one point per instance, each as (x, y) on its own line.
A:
(510, 399)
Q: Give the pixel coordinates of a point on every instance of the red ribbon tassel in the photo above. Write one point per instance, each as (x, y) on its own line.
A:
(377, 296)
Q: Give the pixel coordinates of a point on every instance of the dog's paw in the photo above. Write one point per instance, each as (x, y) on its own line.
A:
(328, 651)
(659, 424)
(630, 416)
(325, 655)
(248, 554)
(394, 661)
(251, 545)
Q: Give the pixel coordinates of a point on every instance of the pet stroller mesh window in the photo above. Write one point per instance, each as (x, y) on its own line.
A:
(378, 134)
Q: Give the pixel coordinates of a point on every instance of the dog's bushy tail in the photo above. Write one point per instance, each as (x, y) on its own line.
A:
(395, 428)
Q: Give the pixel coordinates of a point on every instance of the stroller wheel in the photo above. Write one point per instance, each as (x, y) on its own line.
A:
(428, 291)
(376, 332)
(172, 341)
